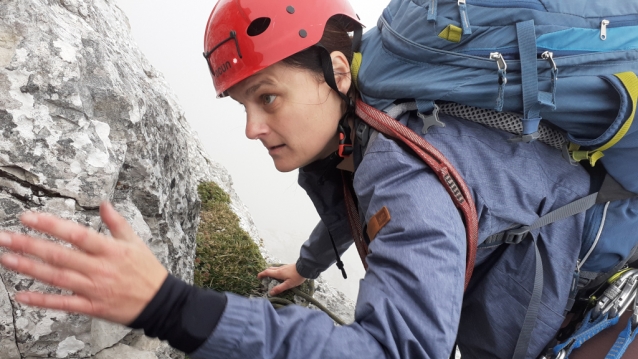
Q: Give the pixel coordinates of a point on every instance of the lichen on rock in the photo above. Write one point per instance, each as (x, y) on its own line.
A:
(85, 118)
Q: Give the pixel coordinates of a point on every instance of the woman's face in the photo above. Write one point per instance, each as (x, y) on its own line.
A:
(292, 112)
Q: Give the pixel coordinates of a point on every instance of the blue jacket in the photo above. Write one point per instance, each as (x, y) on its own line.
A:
(411, 302)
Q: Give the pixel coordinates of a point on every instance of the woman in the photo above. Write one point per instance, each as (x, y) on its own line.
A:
(288, 63)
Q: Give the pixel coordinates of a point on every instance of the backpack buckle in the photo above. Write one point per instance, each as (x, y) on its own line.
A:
(526, 138)
(516, 236)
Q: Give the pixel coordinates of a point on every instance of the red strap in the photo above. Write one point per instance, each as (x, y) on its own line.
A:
(449, 177)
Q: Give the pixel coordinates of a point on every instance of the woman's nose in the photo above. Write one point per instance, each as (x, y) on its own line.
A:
(256, 126)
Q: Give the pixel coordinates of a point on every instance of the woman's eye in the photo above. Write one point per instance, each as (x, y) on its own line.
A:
(268, 99)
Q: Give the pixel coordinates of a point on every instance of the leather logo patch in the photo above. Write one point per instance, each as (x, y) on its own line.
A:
(377, 222)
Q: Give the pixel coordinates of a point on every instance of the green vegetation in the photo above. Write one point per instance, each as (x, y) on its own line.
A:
(227, 259)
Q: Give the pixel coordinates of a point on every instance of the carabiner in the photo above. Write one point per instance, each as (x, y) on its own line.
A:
(611, 294)
(625, 298)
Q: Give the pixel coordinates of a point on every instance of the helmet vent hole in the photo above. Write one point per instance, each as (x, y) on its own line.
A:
(258, 26)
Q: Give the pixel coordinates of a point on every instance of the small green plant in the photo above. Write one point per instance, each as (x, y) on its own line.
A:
(227, 259)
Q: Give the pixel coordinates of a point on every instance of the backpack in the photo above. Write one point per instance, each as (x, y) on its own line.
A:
(532, 67)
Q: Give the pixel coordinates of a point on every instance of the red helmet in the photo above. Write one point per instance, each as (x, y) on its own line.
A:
(245, 36)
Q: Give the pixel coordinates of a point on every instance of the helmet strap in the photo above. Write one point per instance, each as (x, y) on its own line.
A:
(344, 130)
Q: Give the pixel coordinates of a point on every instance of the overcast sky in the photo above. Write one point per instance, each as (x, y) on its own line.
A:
(170, 33)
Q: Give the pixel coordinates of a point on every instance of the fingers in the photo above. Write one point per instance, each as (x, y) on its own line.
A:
(281, 288)
(80, 236)
(49, 252)
(287, 274)
(272, 272)
(74, 304)
(117, 224)
(63, 278)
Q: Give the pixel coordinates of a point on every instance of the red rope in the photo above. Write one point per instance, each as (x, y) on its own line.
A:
(449, 177)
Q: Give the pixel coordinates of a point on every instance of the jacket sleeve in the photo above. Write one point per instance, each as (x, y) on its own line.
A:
(325, 188)
(410, 298)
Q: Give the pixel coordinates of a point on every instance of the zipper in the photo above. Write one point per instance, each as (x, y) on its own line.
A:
(603, 29)
(521, 4)
(465, 20)
(548, 55)
(500, 61)
(621, 20)
(598, 234)
(512, 53)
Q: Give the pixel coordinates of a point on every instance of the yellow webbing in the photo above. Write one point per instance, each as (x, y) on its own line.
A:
(630, 81)
(354, 68)
(452, 33)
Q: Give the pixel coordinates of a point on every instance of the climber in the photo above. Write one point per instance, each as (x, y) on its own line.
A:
(289, 64)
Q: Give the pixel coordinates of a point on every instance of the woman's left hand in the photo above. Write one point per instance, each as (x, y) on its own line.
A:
(112, 278)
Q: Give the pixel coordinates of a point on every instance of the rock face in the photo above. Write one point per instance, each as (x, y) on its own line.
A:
(85, 118)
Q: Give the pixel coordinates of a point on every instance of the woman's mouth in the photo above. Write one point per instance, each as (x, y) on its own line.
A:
(274, 149)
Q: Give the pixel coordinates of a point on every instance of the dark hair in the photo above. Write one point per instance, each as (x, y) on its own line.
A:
(335, 38)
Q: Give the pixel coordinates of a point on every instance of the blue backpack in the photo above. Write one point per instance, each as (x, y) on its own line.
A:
(553, 65)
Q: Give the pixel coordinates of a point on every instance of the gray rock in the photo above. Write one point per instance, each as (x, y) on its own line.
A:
(85, 118)
(124, 351)
(105, 334)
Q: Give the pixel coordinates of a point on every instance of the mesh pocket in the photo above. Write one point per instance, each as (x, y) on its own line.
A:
(506, 121)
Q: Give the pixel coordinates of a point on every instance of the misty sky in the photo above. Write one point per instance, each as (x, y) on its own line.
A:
(170, 33)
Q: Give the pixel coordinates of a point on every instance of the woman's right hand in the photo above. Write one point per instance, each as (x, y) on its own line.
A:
(287, 274)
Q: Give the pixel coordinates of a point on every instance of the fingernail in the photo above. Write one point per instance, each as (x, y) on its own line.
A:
(29, 218)
(9, 260)
(5, 240)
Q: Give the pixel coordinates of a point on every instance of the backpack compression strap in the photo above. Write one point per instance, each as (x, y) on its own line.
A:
(449, 177)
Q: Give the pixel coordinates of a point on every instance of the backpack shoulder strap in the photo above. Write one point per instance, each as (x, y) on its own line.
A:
(447, 174)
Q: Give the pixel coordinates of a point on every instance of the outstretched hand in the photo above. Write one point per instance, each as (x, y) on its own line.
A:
(112, 278)
(287, 274)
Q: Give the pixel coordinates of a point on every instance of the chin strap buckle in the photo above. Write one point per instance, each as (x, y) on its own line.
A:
(345, 143)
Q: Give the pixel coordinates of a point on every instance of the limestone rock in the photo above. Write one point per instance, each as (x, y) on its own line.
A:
(105, 334)
(124, 351)
(85, 118)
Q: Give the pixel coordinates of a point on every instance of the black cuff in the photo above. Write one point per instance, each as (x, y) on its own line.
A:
(182, 314)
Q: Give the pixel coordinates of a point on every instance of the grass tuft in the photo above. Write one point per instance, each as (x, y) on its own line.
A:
(227, 259)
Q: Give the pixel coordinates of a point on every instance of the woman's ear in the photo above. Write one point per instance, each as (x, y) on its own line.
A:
(341, 68)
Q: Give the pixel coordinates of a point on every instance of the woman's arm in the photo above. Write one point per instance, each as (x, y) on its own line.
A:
(410, 300)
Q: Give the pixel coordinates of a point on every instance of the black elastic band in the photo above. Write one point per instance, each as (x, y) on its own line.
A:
(356, 39)
(339, 262)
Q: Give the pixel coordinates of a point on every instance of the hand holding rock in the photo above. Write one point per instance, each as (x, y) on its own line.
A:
(287, 274)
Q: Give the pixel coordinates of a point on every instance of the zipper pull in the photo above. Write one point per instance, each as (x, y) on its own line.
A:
(465, 21)
(502, 79)
(548, 55)
(502, 66)
(603, 29)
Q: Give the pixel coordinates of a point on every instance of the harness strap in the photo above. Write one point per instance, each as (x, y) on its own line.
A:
(447, 174)
(525, 336)
(585, 332)
(516, 235)
(625, 338)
